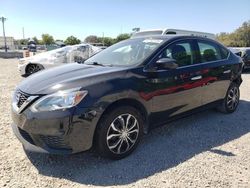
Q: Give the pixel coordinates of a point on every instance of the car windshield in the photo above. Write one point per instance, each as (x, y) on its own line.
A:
(125, 53)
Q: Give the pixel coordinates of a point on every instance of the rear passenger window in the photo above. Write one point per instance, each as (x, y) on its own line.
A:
(209, 51)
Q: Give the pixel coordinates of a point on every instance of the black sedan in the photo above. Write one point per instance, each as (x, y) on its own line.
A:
(117, 95)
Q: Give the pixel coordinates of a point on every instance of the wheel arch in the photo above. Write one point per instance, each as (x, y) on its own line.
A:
(237, 80)
(128, 102)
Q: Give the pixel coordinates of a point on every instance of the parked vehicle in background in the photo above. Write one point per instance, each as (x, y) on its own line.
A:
(235, 51)
(32, 46)
(172, 32)
(57, 57)
(122, 92)
(3, 47)
(246, 58)
(99, 45)
(244, 53)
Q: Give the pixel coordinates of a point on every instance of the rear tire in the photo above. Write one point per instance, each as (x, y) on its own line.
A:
(119, 132)
(231, 101)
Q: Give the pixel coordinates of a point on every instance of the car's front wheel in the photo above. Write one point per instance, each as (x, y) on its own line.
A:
(231, 101)
(119, 132)
(32, 68)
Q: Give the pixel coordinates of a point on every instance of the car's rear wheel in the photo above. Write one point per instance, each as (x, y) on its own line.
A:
(231, 101)
(119, 132)
(32, 68)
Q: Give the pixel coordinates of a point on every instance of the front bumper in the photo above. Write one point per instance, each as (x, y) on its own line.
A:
(57, 132)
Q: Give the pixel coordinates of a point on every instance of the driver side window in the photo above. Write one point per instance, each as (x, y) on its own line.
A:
(181, 52)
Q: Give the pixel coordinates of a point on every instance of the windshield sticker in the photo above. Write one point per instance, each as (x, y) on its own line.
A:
(152, 41)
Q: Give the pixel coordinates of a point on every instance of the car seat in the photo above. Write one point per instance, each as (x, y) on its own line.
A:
(209, 55)
(180, 55)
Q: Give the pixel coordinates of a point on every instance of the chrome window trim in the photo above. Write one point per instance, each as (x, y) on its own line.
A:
(193, 38)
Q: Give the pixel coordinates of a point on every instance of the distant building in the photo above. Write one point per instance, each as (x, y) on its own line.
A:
(9, 43)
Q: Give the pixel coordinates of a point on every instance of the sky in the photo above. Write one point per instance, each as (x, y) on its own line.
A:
(62, 18)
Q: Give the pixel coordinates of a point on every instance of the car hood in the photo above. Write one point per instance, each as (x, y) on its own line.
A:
(67, 77)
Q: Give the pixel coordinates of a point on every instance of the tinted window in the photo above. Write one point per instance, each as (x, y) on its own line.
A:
(171, 32)
(211, 52)
(248, 52)
(225, 52)
(181, 52)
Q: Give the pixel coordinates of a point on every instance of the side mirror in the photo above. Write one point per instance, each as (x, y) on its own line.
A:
(166, 63)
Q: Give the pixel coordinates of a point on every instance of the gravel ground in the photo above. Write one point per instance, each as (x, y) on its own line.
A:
(208, 149)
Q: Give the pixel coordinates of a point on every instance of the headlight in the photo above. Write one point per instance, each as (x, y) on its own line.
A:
(59, 100)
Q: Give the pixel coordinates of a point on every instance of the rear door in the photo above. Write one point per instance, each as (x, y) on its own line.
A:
(213, 59)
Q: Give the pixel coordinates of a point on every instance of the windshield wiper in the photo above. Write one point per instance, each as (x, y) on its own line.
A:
(99, 64)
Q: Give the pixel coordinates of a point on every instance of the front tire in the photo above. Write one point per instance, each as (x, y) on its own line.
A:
(32, 68)
(119, 132)
(231, 101)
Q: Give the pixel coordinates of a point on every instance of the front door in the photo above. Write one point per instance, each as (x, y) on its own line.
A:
(175, 91)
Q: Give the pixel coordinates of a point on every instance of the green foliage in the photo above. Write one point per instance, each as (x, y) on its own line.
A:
(35, 40)
(23, 41)
(91, 39)
(239, 38)
(72, 41)
(106, 41)
(47, 39)
(122, 37)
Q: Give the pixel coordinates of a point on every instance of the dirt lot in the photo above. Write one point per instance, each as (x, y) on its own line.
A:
(208, 149)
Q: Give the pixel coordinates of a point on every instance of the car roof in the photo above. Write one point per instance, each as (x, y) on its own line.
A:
(171, 36)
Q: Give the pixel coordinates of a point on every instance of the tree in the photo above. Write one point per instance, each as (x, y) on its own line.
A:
(23, 41)
(239, 38)
(91, 39)
(123, 36)
(108, 41)
(72, 41)
(35, 40)
(47, 39)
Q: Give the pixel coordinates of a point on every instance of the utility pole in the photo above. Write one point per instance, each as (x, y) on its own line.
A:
(3, 19)
(23, 33)
(102, 38)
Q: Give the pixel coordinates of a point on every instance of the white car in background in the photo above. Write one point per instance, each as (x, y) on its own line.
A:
(168, 31)
(57, 57)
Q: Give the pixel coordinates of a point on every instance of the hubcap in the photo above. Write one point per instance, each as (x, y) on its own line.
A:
(33, 69)
(122, 133)
(233, 98)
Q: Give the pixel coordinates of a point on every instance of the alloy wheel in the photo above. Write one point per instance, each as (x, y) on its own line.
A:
(122, 133)
(233, 98)
(33, 68)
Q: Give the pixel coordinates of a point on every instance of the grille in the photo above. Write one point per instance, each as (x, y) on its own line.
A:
(26, 136)
(21, 98)
(55, 142)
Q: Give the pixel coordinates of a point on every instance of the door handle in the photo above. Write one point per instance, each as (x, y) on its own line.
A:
(227, 71)
(196, 78)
